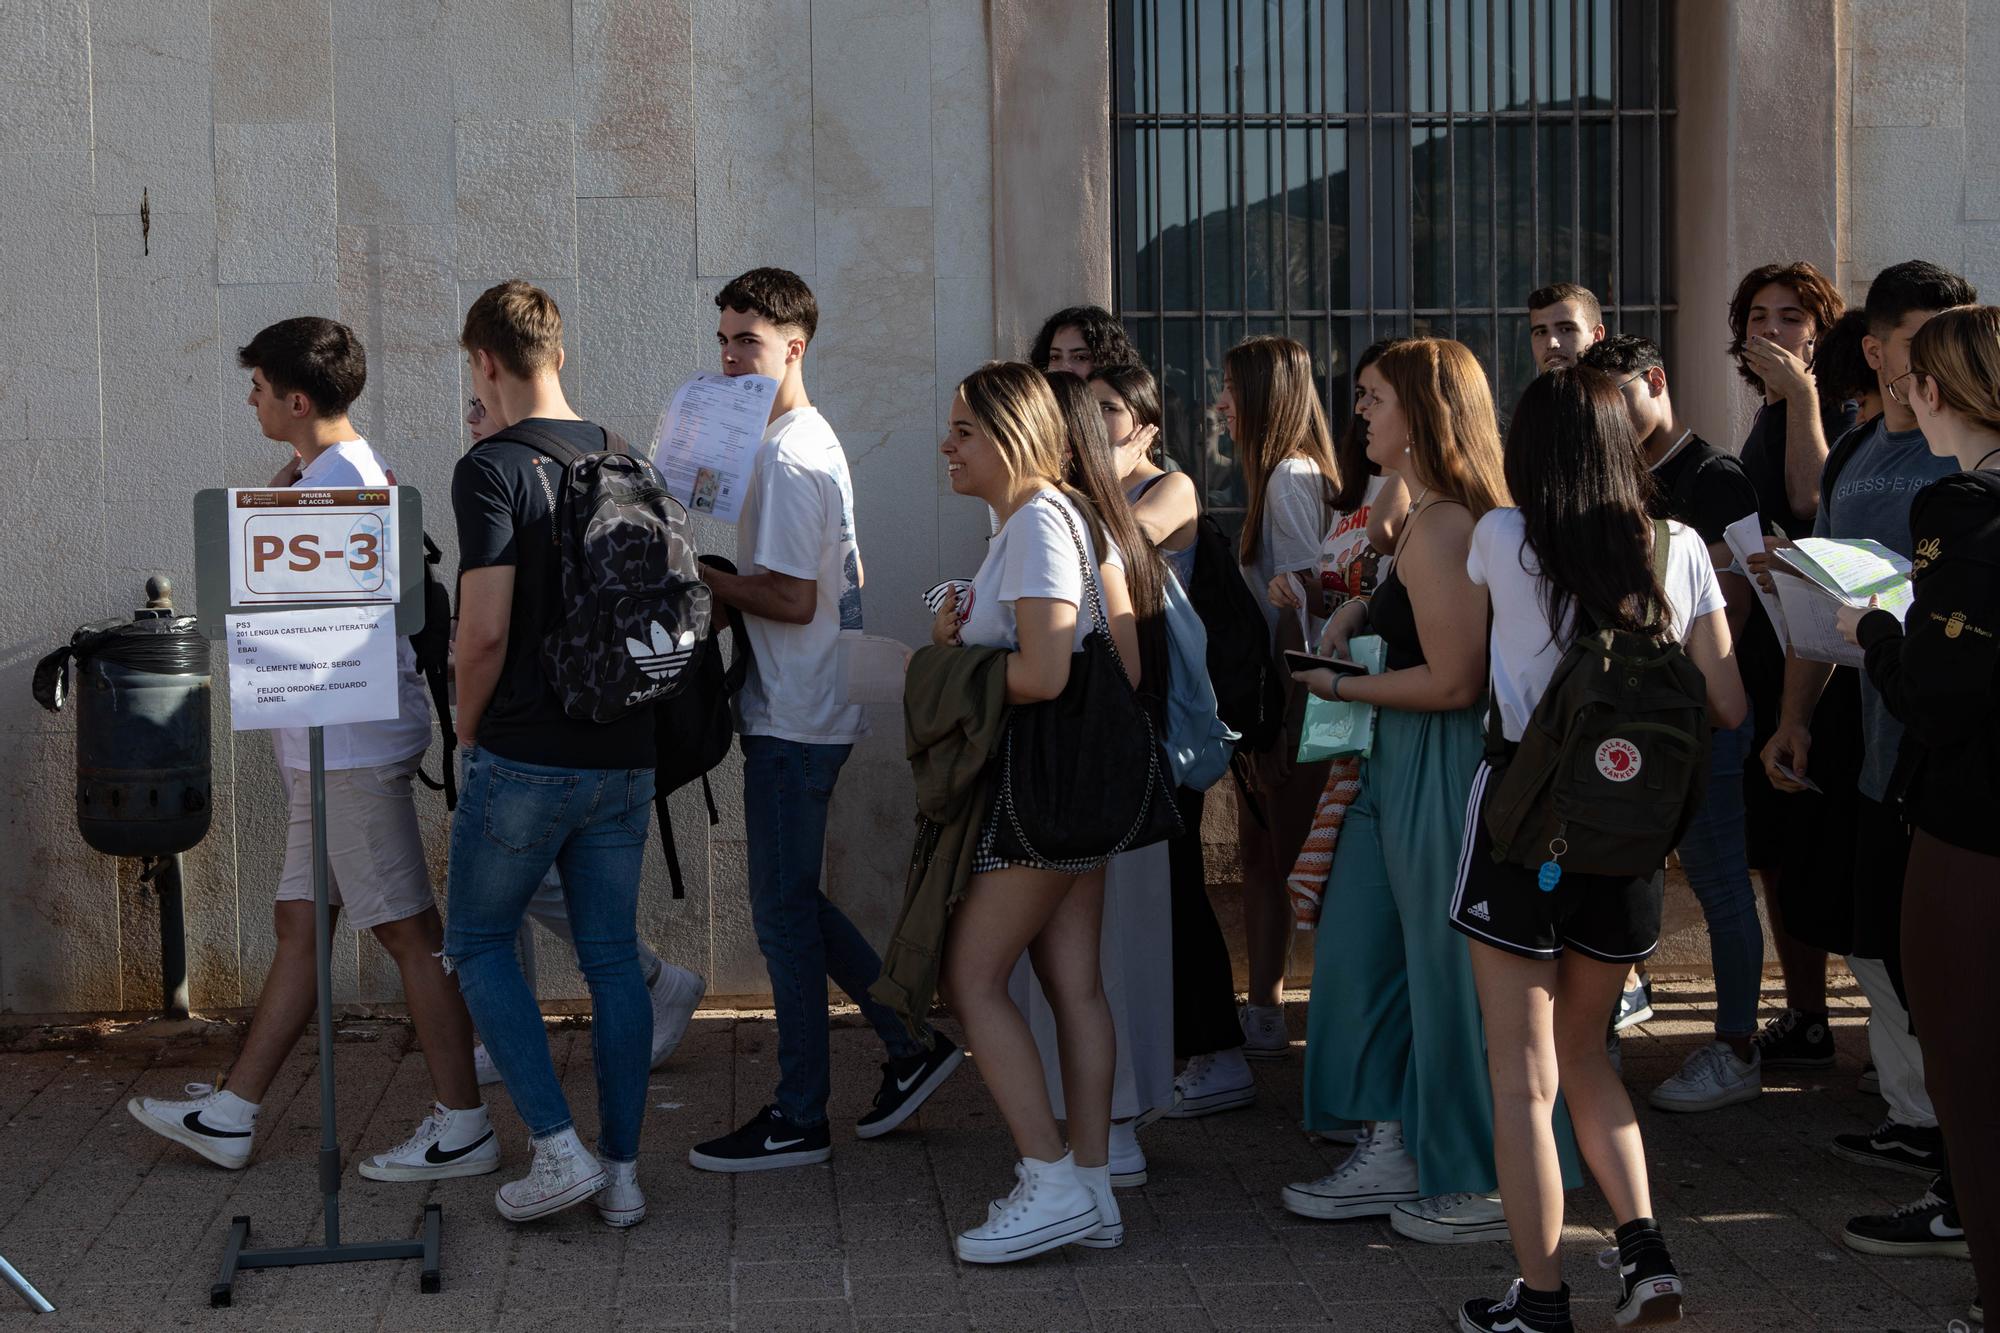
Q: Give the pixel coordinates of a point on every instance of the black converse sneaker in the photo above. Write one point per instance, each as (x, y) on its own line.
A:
(1521, 1310)
(907, 1084)
(767, 1143)
(1913, 1149)
(1794, 1040)
(1927, 1226)
(1649, 1288)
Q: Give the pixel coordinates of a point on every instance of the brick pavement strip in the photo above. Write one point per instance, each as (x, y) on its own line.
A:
(123, 1230)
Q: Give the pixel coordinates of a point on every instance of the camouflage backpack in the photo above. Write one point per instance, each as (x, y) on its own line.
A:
(632, 607)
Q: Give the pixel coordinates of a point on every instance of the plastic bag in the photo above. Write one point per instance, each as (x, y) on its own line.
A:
(1335, 727)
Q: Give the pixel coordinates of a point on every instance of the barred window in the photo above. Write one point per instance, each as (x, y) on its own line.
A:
(1345, 170)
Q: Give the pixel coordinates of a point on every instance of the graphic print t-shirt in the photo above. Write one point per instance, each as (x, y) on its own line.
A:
(798, 519)
(500, 495)
(1349, 564)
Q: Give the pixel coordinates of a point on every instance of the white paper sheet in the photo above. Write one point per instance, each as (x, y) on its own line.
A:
(706, 442)
(312, 668)
(1746, 538)
(1811, 620)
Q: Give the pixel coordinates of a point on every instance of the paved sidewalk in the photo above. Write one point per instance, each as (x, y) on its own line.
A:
(123, 1230)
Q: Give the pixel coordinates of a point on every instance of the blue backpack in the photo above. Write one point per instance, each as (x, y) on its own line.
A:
(1198, 742)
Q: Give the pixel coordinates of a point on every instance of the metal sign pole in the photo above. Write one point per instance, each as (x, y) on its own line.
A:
(211, 550)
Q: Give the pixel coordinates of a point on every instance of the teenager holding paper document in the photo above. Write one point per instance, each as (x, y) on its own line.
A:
(1938, 672)
(1874, 480)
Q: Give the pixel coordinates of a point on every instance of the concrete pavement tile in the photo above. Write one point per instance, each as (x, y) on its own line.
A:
(447, 1311)
(1031, 1312)
(764, 1245)
(1044, 1272)
(1240, 1263)
(800, 1280)
(670, 1306)
(1139, 1288)
(1160, 1319)
(831, 1316)
(1250, 1304)
(926, 1323)
(908, 1294)
(1393, 1316)
(898, 1258)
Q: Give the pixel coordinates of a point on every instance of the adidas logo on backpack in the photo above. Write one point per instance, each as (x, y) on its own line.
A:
(632, 604)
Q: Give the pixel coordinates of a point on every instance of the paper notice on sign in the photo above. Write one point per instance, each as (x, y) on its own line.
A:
(293, 544)
(1812, 622)
(707, 441)
(1745, 539)
(314, 668)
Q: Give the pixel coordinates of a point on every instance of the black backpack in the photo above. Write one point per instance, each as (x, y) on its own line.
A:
(1249, 692)
(633, 609)
(693, 727)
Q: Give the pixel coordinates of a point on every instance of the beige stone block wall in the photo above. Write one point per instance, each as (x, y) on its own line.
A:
(382, 161)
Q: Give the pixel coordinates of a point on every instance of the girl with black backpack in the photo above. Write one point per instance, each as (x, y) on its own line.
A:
(1551, 947)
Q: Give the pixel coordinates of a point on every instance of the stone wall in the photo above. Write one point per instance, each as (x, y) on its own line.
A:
(174, 174)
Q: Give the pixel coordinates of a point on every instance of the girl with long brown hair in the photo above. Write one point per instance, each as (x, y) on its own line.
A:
(1271, 407)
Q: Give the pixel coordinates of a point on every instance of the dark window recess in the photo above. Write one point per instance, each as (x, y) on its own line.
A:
(1343, 170)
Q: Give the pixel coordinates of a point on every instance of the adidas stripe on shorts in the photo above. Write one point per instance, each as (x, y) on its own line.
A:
(1611, 919)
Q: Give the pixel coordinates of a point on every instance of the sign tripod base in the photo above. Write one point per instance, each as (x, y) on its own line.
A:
(235, 1258)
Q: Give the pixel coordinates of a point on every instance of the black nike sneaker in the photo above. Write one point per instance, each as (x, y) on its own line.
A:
(448, 1143)
(1928, 1226)
(1913, 1149)
(907, 1084)
(1521, 1310)
(769, 1142)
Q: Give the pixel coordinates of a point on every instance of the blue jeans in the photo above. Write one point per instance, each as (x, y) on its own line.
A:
(514, 821)
(1718, 870)
(787, 787)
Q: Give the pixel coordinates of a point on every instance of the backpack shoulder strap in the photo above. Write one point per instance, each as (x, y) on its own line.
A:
(1663, 538)
(527, 432)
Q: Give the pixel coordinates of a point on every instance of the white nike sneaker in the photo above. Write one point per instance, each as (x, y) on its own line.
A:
(216, 1123)
(1451, 1219)
(1128, 1159)
(1711, 1079)
(676, 993)
(1110, 1233)
(1050, 1207)
(620, 1203)
(1219, 1081)
(563, 1176)
(448, 1143)
(1377, 1175)
(483, 1067)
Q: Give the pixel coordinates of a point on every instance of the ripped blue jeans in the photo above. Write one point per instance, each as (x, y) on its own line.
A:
(514, 821)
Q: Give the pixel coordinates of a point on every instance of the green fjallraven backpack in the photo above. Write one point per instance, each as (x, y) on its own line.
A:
(1612, 766)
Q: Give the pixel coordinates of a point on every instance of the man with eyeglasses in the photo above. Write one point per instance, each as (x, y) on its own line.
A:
(1871, 477)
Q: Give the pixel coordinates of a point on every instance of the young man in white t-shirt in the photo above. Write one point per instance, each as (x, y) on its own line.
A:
(304, 374)
(798, 591)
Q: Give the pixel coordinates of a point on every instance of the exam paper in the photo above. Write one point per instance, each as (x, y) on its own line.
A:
(1853, 570)
(1810, 618)
(706, 443)
(1746, 538)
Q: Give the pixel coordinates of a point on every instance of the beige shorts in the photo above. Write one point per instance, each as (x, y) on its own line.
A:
(374, 850)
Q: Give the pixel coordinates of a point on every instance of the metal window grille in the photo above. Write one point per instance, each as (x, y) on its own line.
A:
(1345, 170)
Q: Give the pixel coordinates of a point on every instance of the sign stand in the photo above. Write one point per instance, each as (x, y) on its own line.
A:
(212, 517)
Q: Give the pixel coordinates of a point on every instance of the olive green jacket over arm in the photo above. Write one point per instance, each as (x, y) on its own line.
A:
(954, 715)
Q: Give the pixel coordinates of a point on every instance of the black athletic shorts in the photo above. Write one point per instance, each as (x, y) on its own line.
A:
(1611, 919)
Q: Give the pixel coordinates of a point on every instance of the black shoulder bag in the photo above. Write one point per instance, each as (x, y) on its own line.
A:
(1082, 776)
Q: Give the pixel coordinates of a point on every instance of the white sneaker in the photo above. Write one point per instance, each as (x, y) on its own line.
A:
(1110, 1233)
(1346, 1137)
(483, 1067)
(1050, 1207)
(676, 992)
(448, 1143)
(1264, 1034)
(216, 1123)
(1217, 1082)
(1128, 1159)
(1377, 1175)
(1451, 1219)
(563, 1176)
(1712, 1078)
(620, 1203)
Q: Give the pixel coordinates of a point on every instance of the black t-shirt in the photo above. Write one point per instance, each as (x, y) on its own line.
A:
(1764, 461)
(1703, 488)
(504, 518)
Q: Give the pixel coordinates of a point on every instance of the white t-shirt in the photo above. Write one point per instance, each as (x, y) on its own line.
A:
(1295, 519)
(1033, 555)
(363, 744)
(798, 519)
(1524, 653)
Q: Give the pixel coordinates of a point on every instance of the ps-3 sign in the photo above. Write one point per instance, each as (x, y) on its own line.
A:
(295, 546)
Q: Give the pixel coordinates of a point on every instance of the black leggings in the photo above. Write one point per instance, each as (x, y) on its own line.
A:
(1204, 982)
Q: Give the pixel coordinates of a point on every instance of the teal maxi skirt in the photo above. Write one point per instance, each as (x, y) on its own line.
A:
(1394, 1030)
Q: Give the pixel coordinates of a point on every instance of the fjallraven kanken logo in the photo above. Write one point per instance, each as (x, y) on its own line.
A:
(1618, 760)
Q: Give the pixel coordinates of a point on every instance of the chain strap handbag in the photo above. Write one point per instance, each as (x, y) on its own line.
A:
(1082, 775)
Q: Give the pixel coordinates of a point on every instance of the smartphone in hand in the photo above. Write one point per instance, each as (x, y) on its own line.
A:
(1298, 661)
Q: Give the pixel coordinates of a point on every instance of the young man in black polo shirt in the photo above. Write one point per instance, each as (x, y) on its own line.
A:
(1707, 490)
(539, 787)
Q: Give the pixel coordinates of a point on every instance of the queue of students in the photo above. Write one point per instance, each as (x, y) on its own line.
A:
(1461, 991)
